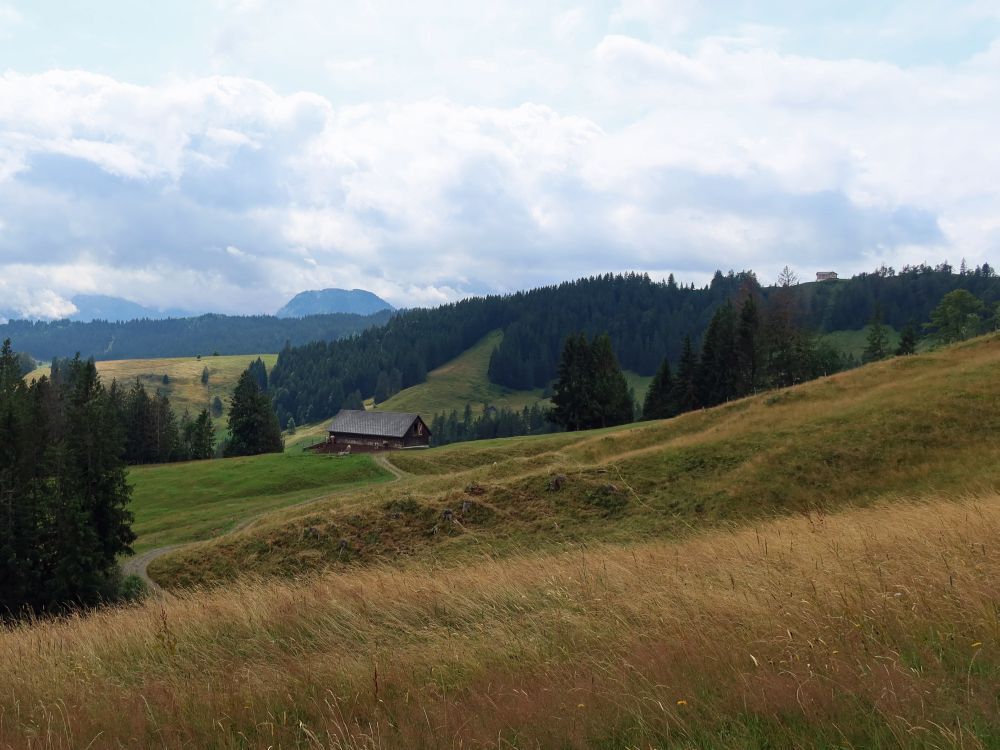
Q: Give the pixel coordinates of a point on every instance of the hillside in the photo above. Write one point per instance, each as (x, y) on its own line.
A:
(912, 426)
(463, 380)
(202, 499)
(184, 387)
(327, 301)
(646, 320)
(813, 567)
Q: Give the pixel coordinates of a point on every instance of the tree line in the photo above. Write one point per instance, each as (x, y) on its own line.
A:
(180, 337)
(489, 423)
(154, 434)
(646, 320)
(749, 345)
(63, 490)
(65, 443)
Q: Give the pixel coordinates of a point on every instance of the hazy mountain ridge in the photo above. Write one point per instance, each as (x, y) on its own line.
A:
(327, 301)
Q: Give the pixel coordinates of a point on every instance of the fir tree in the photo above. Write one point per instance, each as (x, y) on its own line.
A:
(659, 402)
(685, 389)
(611, 397)
(574, 389)
(253, 424)
(717, 370)
(877, 347)
(748, 347)
(907, 341)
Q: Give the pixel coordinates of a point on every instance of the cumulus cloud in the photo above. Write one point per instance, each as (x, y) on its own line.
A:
(222, 192)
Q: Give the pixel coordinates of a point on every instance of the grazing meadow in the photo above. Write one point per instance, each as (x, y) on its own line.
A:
(810, 567)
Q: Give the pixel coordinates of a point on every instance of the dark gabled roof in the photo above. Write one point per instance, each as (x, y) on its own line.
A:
(378, 423)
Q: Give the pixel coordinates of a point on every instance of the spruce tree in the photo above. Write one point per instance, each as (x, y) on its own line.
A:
(907, 341)
(573, 392)
(685, 396)
(659, 402)
(253, 424)
(717, 367)
(748, 347)
(877, 347)
(611, 397)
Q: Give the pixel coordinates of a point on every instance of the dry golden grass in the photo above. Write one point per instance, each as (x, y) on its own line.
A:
(876, 627)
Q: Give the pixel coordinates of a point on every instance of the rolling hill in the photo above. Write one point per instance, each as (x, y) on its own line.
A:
(465, 380)
(208, 498)
(811, 567)
(184, 387)
(917, 425)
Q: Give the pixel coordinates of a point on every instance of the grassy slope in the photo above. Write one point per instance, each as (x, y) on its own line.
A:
(185, 389)
(874, 628)
(920, 424)
(854, 342)
(465, 380)
(868, 627)
(459, 382)
(175, 503)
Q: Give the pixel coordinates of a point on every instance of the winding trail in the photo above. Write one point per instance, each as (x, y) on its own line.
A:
(138, 565)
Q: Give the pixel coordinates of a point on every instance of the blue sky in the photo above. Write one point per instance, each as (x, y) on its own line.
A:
(225, 154)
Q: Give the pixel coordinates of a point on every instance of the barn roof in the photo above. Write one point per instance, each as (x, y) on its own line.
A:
(379, 423)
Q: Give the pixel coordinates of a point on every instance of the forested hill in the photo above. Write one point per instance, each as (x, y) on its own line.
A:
(179, 337)
(647, 320)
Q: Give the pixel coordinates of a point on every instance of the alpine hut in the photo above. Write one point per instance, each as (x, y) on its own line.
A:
(377, 430)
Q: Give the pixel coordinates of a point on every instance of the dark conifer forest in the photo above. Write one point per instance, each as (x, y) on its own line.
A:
(63, 490)
(647, 321)
(179, 337)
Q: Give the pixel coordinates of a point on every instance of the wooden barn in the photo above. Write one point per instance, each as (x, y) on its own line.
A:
(377, 430)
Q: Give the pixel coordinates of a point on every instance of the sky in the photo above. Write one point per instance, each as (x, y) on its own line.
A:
(226, 154)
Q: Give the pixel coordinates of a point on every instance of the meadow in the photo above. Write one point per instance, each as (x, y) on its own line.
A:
(184, 387)
(463, 380)
(920, 425)
(178, 503)
(875, 627)
(811, 567)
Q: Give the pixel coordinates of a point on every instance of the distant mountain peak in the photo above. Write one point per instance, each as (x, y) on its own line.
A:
(325, 301)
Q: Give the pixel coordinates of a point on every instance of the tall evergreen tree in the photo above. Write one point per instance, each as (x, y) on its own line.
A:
(253, 424)
(573, 394)
(748, 345)
(659, 403)
(907, 341)
(258, 371)
(717, 372)
(612, 400)
(685, 385)
(877, 347)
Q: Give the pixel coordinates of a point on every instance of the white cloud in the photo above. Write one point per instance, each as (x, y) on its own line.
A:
(223, 192)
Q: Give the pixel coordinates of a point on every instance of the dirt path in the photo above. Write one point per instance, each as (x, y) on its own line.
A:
(139, 564)
(382, 459)
(136, 566)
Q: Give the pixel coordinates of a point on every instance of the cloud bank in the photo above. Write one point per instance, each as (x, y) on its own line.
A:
(221, 192)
